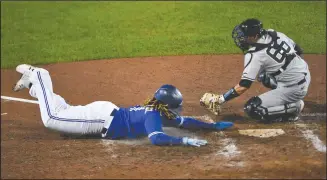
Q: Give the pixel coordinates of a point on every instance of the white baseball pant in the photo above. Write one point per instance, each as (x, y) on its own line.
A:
(57, 115)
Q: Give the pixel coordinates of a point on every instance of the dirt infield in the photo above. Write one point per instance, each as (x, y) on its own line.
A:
(29, 150)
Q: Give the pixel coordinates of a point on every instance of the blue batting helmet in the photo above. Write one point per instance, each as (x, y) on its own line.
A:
(170, 95)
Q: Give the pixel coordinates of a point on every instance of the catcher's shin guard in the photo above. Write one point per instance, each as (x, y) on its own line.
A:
(287, 112)
(254, 110)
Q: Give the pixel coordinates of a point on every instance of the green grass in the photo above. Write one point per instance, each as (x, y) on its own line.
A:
(49, 32)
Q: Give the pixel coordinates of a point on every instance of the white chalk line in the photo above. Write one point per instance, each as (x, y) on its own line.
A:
(313, 114)
(317, 143)
(19, 99)
(3, 114)
(309, 135)
(229, 150)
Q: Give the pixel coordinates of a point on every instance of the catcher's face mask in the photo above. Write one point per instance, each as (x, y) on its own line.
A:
(240, 39)
(245, 34)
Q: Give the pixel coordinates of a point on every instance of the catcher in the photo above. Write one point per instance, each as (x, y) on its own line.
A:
(275, 60)
(106, 120)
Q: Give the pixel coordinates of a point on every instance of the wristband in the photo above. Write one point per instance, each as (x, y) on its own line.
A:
(231, 94)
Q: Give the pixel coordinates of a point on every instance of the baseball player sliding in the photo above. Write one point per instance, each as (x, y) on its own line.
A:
(106, 120)
(275, 60)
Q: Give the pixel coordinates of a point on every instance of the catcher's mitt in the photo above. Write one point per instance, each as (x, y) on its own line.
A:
(210, 101)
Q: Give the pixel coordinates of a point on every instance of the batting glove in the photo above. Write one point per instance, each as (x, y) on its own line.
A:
(222, 125)
(194, 142)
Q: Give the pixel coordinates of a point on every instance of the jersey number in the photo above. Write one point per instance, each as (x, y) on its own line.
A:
(136, 108)
(278, 51)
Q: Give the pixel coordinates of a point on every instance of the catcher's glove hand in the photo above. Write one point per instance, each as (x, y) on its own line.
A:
(211, 102)
(267, 80)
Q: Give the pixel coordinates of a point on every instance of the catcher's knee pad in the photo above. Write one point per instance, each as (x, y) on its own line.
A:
(254, 109)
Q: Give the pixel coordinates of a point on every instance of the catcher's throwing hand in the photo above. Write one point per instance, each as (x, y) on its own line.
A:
(212, 102)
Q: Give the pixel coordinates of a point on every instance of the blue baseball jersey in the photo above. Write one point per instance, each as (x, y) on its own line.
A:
(137, 121)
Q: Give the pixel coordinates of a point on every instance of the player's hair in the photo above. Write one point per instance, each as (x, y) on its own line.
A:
(159, 106)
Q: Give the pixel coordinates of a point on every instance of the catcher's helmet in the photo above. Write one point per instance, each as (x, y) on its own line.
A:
(250, 27)
(170, 95)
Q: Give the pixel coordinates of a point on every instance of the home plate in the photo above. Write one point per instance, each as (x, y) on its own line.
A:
(262, 133)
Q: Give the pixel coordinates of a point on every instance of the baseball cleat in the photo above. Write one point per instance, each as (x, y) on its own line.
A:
(22, 68)
(24, 81)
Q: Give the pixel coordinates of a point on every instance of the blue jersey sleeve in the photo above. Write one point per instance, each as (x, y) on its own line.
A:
(155, 133)
(191, 123)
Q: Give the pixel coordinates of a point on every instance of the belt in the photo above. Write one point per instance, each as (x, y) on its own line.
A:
(113, 112)
(104, 130)
(298, 83)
